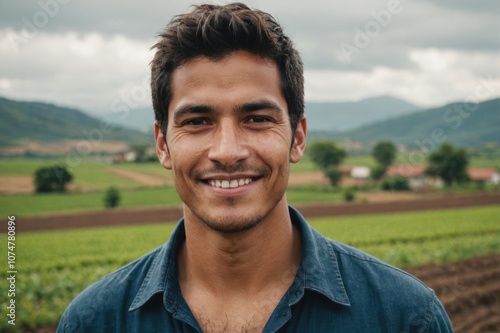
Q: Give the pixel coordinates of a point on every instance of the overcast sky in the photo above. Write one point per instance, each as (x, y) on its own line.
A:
(94, 55)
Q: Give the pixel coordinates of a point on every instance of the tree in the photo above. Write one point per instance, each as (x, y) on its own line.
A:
(384, 153)
(449, 163)
(327, 155)
(111, 197)
(52, 178)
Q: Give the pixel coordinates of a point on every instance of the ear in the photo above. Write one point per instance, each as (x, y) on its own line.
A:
(299, 145)
(161, 148)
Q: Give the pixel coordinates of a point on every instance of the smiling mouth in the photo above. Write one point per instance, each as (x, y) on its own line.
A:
(229, 183)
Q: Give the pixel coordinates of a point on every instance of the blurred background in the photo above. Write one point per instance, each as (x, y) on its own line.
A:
(403, 157)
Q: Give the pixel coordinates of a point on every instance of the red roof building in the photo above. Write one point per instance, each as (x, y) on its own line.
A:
(406, 170)
(484, 175)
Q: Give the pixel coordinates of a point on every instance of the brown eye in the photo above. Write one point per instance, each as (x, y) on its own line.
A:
(259, 119)
(195, 122)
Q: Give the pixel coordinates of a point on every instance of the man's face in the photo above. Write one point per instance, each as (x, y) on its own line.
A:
(228, 140)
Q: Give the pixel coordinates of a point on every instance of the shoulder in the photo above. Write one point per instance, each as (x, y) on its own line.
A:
(389, 291)
(108, 296)
(362, 271)
(352, 261)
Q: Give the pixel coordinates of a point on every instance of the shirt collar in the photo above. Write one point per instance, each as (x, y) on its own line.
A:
(162, 274)
(319, 270)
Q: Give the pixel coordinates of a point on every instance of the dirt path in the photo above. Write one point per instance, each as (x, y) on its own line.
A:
(140, 177)
(16, 184)
(469, 291)
(307, 178)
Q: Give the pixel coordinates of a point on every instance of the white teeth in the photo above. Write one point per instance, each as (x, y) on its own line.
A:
(233, 183)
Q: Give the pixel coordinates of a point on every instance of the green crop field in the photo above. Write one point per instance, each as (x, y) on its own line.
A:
(55, 266)
(49, 203)
(40, 204)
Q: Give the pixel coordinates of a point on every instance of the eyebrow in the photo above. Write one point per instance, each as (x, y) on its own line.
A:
(188, 109)
(260, 105)
(247, 107)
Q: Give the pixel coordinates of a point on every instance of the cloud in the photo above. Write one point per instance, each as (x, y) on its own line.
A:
(439, 77)
(86, 70)
(89, 53)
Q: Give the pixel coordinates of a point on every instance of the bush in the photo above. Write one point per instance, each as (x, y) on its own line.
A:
(111, 197)
(334, 175)
(349, 194)
(395, 184)
(378, 172)
(52, 178)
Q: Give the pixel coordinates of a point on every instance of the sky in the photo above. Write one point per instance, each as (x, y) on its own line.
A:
(94, 55)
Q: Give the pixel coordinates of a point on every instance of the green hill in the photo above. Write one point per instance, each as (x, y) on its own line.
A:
(34, 121)
(461, 123)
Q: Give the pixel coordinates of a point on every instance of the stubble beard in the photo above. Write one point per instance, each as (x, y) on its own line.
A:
(229, 224)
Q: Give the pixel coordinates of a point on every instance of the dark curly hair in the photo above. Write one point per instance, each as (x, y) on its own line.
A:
(217, 31)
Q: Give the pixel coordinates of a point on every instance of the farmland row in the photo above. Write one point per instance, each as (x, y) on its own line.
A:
(469, 290)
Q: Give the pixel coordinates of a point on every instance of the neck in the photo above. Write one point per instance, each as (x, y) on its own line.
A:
(240, 263)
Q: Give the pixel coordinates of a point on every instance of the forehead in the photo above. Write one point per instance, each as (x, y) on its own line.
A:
(239, 75)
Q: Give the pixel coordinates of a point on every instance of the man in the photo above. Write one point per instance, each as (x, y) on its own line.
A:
(227, 88)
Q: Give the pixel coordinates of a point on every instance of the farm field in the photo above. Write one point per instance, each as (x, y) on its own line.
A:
(142, 185)
(50, 203)
(57, 265)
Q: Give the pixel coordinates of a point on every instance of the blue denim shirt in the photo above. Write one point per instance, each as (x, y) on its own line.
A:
(336, 289)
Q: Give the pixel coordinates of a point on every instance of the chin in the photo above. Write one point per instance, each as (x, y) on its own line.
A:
(231, 224)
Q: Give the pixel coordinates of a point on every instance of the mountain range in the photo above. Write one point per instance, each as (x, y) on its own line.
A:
(369, 120)
(468, 124)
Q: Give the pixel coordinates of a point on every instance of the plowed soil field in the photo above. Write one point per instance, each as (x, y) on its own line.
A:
(469, 291)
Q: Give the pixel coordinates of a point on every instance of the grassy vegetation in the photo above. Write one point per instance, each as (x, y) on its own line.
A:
(362, 160)
(304, 165)
(21, 167)
(57, 265)
(39, 204)
(24, 205)
(485, 162)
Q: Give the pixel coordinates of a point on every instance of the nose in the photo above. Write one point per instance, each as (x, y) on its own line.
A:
(229, 144)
